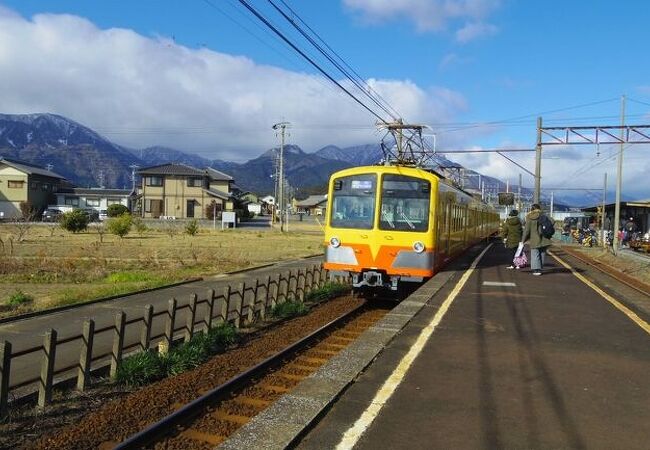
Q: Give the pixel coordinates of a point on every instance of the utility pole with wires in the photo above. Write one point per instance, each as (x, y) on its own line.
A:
(282, 126)
(133, 167)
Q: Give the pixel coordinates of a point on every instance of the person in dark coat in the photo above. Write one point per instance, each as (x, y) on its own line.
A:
(538, 243)
(511, 233)
(628, 230)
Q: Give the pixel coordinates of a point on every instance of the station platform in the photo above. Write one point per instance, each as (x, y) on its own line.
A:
(499, 358)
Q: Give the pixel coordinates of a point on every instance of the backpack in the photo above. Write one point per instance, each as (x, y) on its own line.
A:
(545, 227)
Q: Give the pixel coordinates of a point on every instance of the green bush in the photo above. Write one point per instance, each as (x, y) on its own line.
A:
(75, 221)
(192, 227)
(329, 290)
(289, 309)
(121, 225)
(150, 366)
(19, 298)
(140, 369)
(140, 227)
(116, 210)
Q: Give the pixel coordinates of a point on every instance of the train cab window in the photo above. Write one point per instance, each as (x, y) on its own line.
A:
(353, 202)
(404, 203)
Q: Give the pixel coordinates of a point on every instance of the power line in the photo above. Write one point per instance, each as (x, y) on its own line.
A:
(304, 55)
(356, 80)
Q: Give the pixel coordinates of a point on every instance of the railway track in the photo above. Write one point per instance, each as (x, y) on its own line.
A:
(627, 280)
(210, 419)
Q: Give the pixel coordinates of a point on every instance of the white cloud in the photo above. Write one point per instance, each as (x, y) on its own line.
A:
(475, 30)
(140, 91)
(431, 15)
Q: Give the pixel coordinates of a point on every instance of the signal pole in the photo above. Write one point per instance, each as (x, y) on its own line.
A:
(282, 126)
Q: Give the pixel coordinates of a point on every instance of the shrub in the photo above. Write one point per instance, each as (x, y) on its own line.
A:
(329, 290)
(121, 225)
(19, 298)
(222, 336)
(116, 210)
(192, 227)
(74, 221)
(187, 355)
(289, 309)
(140, 227)
(140, 369)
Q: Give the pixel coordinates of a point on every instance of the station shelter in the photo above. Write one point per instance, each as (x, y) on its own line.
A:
(638, 210)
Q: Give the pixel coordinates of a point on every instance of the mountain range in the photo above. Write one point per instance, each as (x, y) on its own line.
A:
(89, 160)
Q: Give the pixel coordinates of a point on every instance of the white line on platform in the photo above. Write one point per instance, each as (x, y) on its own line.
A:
(354, 433)
(498, 283)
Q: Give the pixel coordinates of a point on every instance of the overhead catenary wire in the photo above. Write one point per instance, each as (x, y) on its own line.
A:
(334, 58)
(282, 36)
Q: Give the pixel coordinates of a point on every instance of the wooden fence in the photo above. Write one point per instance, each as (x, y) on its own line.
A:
(240, 306)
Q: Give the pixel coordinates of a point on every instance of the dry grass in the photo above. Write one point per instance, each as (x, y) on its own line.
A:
(56, 267)
(635, 267)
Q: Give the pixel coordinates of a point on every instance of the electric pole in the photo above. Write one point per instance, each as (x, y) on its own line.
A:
(133, 169)
(282, 126)
(538, 163)
(619, 180)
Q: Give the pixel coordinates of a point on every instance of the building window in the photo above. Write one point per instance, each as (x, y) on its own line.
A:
(195, 182)
(45, 187)
(113, 201)
(153, 206)
(92, 202)
(33, 185)
(72, 201)
(13, 184)
(153, 181)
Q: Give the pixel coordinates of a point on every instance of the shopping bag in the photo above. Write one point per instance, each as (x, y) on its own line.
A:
(520, 249)
(521, 260)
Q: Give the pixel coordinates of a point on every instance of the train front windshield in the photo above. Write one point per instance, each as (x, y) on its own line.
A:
(353, 202)
(404, 203)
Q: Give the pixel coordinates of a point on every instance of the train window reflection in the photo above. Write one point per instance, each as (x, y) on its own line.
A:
(404, 203)
(353, 205)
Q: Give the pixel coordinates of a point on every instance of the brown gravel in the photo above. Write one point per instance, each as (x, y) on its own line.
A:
(90, 422)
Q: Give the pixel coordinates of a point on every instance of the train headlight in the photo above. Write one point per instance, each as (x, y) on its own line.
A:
(418, 247)
(334, 242)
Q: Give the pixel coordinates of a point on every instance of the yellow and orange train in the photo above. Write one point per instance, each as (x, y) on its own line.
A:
(391, 225)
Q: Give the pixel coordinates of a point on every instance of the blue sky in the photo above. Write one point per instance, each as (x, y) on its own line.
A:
(190, 76)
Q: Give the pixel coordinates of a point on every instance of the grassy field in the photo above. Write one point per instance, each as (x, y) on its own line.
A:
(45, 266)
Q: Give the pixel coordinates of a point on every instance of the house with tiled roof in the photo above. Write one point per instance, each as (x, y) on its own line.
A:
(23, 182)
(312, 205)
(180, 191)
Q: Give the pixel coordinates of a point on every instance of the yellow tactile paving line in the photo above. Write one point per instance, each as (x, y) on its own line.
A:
(625, 310)
(354, 433)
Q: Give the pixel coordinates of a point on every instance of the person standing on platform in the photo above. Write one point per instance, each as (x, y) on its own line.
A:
(536, 240)
(511, 232)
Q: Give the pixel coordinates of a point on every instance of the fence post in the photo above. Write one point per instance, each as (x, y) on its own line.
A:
(276, 290)
(261, 312)
(145, 334)
(86, 356)
(291, 291)
(248, 304)
(5, 369)
(189, 327)
(223, 310)
(47, 369)
(210, 309)
(118, 343)
(300, 285)
(169, 326)
(239, 305)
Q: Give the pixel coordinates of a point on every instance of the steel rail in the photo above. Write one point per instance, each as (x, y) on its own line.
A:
(194, 408)
(617, 276)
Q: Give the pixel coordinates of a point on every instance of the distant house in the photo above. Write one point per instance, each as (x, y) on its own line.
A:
(23, 182)
(312, 205)
(181, 191)
(93, 198)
